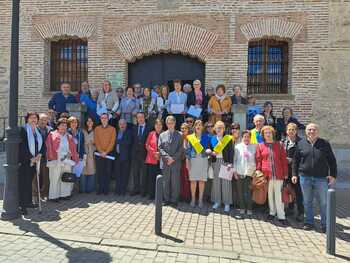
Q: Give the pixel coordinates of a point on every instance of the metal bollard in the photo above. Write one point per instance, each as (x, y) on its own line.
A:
(331, 221)
(159, 204)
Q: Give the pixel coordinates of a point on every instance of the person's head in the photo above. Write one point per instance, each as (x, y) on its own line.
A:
(185, 129)
(64, 115)
(210, 91)
(65, 88)
(177, 85)
(51, 114)
(62, 125)
(259, 121)
(137, 88)
(292, 130)
(187, 88)
(43, 120)
(140, 118)
(73, 123)
(197, 85)
(189, 121)
(267, 132)
(246, 137)
(89, 123)
(237, 91)
(84, 87)
(198, 127)
(104, 119)
(220, 90)
(312, 131)
(158, 126)
(268, 107)
(287, 113)
(170, 122)
(147, 92)
(164, 91)
(32, 118)
(94, 94)
(120, 92)
(107, 86)
(122, 124)
(130, 92)
(235, 129)
(219, 128)
(209, 127)
(156, 89)
(251, 100)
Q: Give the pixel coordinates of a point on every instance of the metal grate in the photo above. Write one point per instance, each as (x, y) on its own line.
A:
(69, 63)
(267, 67)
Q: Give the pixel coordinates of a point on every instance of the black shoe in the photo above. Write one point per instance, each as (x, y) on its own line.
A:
(308, 227)
(32, 206)
(105, 193)
(270, 217)
(24, 211)
(174, 204)
(166, 203)
(98, 192)
(65, 198)
(133, 193)
(54, 200)
(284, 222)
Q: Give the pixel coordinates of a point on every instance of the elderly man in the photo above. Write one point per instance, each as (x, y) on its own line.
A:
(255, 136)
(60, 99)
(315, 165)
(237, 97)
(171, 151)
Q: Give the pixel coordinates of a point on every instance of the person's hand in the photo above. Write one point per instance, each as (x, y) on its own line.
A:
(208, 151)
(103, 154)
(33, 160)
(38, 157)
(290, 160)
(229, 167)
(331, 180)
(170, 161)
(187, 164)
(294, 179)
(235, 175)
(157, 156)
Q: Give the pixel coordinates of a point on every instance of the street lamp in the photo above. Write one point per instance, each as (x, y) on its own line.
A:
(10, 204)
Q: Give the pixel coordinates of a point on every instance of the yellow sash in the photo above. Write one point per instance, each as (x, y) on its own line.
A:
(196, 144)
(222, 144)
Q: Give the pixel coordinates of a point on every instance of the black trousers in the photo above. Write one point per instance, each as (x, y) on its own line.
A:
(153, 171)
(121, 172)
(139, 176)
(25, 179)
(103, 171)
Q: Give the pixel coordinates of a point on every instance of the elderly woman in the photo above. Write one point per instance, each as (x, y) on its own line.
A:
(185, 183)
(271, 160)
(244, 166)
(220, 106)
(197, 161)
(162, 103)
(128, 107)
(270, 119)
(287, 117)
(222, 158)
(30, 151)
(61, 157)
(197, 98)
(107, 100)
(147, 104)
(87, 180)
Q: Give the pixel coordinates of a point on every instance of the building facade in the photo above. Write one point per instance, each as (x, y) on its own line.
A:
(293, 53)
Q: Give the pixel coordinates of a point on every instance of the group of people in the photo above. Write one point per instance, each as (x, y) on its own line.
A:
(191, 138)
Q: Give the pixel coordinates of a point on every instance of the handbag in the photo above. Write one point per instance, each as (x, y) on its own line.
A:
(288, 193)
(225, 172)
(69, 177)
(259, 188)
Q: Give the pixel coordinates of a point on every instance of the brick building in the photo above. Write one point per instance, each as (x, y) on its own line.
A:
(294, 53)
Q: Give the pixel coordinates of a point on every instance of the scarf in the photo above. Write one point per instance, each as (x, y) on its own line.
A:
(220, 98)
(31, 140)
(220, 144)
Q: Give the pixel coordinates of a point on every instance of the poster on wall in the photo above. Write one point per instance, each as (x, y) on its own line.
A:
(116, 79)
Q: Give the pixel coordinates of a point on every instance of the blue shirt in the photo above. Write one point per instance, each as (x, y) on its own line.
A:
(91, 106)
(154, 94)
(58, 102)
(177, 98)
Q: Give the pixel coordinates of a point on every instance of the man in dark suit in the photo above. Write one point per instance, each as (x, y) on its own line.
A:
(237, 97)
(139, 135)
(123, 157)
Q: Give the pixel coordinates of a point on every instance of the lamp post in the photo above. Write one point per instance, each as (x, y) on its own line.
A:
(10, 204)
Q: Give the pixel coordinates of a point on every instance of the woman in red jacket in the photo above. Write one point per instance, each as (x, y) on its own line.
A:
(153, 157)
(271, 160)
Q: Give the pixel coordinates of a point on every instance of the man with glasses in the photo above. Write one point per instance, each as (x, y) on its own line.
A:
(60, 99)
(314, 164)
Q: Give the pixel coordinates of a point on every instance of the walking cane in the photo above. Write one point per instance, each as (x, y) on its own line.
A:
(38, 184)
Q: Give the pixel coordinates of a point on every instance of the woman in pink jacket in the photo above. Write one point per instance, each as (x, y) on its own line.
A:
(153, 157)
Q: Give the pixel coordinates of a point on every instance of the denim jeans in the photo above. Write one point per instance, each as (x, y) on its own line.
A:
(87, 183)
(314, 187)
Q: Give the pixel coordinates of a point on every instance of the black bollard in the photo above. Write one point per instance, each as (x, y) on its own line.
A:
(331, 220)
(159, 204)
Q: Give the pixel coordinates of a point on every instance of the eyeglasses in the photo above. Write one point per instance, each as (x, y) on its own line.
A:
(189, 121)
(234, 128)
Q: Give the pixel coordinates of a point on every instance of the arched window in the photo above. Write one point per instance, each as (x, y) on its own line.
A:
(267, 67)
(69, 63)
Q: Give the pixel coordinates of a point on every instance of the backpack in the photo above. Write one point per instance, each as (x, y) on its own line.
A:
(259, 188)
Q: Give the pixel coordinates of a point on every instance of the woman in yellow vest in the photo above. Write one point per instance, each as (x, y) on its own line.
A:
(222, 158)
(197, 161)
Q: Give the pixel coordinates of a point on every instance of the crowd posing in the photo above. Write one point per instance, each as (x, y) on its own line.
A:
(189, 136)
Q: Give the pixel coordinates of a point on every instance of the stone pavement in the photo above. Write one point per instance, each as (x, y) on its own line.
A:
(115, 228)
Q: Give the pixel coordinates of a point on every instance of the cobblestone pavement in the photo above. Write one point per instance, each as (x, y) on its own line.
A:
(111, 225)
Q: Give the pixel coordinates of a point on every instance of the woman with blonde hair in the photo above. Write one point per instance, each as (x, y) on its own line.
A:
(197, 161)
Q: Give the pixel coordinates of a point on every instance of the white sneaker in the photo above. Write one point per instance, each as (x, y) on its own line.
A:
(227, 209)
(216, 206)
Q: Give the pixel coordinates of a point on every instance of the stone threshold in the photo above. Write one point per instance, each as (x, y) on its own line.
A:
(150, 246)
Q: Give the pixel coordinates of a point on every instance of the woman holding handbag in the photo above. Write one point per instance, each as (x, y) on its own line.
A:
(61, 157)
(271, 160)
(222, 158)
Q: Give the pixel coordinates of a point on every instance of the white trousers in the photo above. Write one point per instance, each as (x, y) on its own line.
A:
(57, 187)
(275, 198)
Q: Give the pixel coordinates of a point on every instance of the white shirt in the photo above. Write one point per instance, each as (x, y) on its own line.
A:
(244, 159)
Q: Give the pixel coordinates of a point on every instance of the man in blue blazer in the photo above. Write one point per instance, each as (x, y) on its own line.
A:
(123, 151)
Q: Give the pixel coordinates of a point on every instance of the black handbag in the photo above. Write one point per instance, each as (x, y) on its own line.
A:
(69, 177)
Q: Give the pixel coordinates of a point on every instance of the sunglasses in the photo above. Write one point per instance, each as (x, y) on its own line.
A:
(234, 128)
